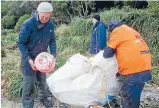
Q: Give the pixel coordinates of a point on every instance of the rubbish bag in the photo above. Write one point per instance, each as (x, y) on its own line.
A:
(82, 81)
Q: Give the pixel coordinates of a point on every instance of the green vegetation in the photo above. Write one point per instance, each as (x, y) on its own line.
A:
(20, 21)
(8, 22)
(75, 38)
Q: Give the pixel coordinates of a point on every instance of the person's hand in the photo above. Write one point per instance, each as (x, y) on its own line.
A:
(54, 60)
(32, 64)
(95, 106)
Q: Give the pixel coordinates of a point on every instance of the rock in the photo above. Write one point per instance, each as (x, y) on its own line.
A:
(13, 47)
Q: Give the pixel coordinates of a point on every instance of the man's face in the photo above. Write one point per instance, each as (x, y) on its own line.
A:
(94, 20)
(109, 34)
(44, 16)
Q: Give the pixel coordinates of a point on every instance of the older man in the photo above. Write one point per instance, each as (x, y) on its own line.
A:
(36, 35)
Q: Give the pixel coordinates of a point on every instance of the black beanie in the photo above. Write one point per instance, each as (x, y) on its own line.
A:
(96, 16)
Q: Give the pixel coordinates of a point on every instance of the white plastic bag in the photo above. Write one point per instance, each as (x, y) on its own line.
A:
(74, 67)
(80, 81)
(109, 68)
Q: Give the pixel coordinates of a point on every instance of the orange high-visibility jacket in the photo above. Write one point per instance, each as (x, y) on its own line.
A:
(132, 52)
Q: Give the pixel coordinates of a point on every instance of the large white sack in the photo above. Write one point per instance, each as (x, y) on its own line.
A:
(84, 90)
(74, 67)
(80, 85)
(109, 68)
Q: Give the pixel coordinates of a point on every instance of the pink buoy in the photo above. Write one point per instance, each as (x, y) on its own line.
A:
(45, 62)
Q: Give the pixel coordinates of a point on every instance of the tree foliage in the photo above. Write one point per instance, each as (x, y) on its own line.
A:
(61, 12)
(154, 5)
(8, 22)
(20, 21)
(65, 11)
(4, 8)
(82, 8)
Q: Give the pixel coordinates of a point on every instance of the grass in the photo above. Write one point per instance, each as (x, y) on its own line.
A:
(75, 38)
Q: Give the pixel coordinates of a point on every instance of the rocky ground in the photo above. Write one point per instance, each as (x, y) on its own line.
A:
(149, 99)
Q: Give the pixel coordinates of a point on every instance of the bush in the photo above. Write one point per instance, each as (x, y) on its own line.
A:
(75, 38)
(127, 3)
(4, 32)
(7, 31)
(154, 5)
(61, 12)
(10, 38)
(65, 11)
(8, 22)
(20, 21)
(4, 8)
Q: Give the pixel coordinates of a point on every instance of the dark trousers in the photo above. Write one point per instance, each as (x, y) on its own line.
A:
(28, 88)
(131, 87)
(130, 95)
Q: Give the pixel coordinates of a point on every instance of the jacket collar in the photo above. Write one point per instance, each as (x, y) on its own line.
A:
(113, 24)
(96, 24)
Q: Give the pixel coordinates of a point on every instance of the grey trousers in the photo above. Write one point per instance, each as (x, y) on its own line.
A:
(28, 88)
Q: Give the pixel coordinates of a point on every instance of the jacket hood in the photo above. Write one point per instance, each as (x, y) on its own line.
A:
(113, 24)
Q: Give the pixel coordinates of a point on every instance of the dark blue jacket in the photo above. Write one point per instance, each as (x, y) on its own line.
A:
(98, 40)
(34, 38)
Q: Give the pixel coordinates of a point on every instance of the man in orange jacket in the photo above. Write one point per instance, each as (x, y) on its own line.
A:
(134, 61)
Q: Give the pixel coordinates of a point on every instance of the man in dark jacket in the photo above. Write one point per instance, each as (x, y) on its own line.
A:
(35, 36)
(98, 40)
(134, 61)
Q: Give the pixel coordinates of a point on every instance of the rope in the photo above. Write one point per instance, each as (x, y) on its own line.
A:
(104, 87)
(57, 103)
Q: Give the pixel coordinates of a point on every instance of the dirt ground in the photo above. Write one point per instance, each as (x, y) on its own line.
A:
(149, 99)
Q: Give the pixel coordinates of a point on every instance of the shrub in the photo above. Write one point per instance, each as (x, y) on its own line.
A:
(75, 38)
(8, 22)
(20, 21)
(154, 5)
(10, 38)
(4, 8)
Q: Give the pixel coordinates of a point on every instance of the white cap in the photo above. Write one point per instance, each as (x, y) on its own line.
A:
(45, 7)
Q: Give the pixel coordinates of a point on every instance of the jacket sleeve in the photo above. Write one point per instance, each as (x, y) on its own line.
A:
(22, 41)
(101, 37)
(112, 44)
(52, 44)
(108, 52)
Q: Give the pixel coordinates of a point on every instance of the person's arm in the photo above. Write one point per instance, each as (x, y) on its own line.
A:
(24, 34)
(22, 41)
(52, 44)
(112, 44)
(108, 52)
